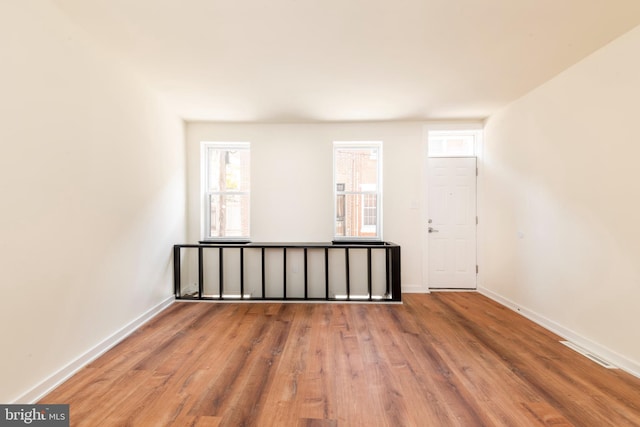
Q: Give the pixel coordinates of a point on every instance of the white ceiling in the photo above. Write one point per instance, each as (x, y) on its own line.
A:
(344, 60)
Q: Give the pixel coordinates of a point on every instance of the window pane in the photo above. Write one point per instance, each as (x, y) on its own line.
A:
(229, 215)
(460, 145)
(369, 210)
(356, 168)
(436, 146)
(452, 143)
(228, 169)
(356, 215)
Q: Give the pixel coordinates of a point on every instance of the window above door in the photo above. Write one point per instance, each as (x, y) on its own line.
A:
(453, 143)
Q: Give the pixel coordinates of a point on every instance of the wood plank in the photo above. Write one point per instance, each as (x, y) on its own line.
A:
(450, 359)
(537, 358)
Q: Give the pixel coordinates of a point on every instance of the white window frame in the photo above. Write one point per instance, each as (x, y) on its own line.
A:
(377, 146)
(206, 195)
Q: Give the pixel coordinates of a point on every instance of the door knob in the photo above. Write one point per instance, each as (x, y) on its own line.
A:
(432, 230)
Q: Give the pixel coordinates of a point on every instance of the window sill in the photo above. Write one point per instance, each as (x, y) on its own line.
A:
(358, 242)
(225, 242)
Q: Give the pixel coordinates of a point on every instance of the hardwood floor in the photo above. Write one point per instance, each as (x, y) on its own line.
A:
(443, 359)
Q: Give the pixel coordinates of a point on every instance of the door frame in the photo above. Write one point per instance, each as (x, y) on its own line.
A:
(479, 150)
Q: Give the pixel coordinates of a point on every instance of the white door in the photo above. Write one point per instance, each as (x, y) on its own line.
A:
(452, 223)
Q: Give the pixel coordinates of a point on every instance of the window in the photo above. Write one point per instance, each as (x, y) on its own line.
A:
(453, 143)
(226, 190)
(357, 175)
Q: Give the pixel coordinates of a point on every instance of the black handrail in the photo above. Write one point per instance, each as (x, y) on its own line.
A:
(392, 284)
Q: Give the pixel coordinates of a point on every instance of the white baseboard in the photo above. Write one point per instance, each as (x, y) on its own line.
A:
(57, 378)
(611, 356)
(414, 289)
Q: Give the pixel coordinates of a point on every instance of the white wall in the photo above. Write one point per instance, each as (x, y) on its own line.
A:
(561, 202)
(92, 188)
(292, 176)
